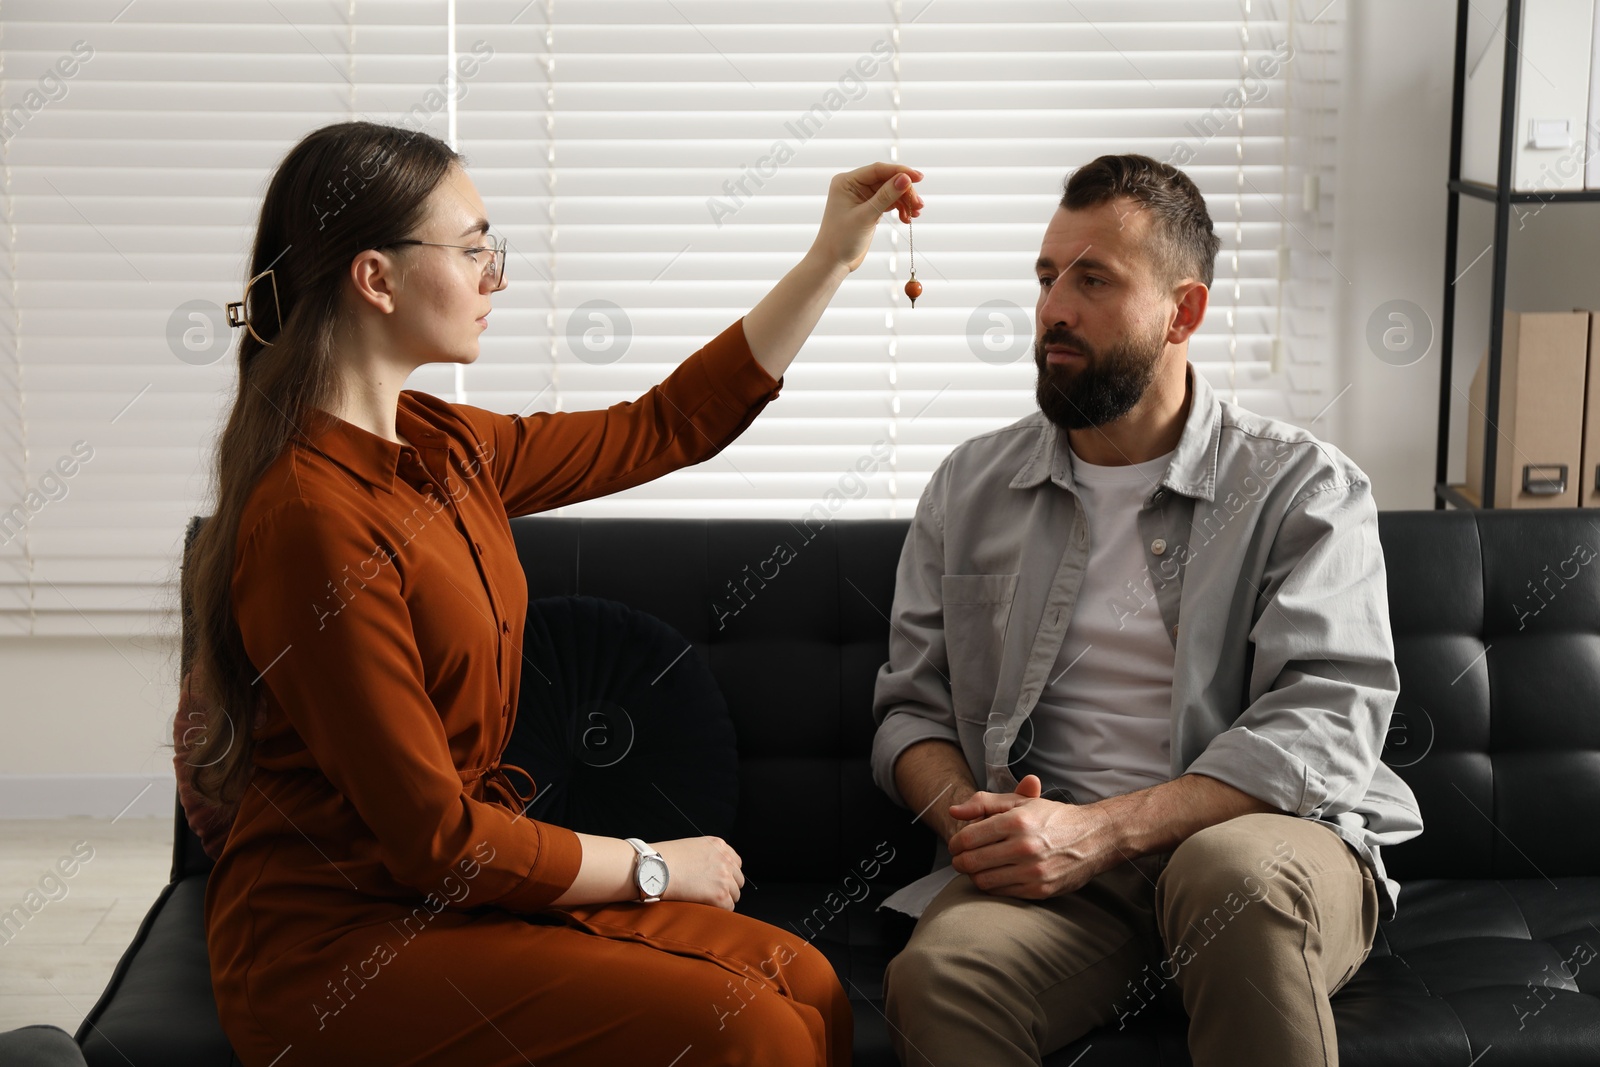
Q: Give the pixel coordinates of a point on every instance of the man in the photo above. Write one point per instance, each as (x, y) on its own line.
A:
(1168, 617)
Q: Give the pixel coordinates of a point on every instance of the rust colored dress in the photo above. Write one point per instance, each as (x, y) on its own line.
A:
(380, 898)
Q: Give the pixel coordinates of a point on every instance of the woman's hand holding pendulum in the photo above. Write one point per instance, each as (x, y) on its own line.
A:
(856, 200)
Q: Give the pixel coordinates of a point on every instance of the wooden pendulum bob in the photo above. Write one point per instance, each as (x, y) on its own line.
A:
(913, 287)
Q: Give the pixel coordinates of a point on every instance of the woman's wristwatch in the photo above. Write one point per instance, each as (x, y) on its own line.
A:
(649, 871)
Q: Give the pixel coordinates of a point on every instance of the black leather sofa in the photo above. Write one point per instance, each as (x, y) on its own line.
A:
(1492, 957)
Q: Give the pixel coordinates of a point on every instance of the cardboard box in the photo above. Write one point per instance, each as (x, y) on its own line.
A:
(1544, 371)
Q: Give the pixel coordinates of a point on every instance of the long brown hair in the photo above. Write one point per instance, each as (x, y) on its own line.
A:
(344, 188)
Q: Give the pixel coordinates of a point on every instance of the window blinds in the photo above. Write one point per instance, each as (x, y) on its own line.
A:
(656, 165)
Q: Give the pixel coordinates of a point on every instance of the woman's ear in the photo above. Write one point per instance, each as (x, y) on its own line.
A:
(377, 279)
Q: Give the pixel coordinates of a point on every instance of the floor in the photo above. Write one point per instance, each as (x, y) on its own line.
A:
(61, 936)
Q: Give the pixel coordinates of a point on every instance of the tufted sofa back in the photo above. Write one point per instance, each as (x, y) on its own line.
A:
(1496, 622)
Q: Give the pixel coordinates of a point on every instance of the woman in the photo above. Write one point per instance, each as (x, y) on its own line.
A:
(358, 599)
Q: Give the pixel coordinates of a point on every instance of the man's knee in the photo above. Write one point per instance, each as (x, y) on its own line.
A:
(919, 974)
(1236, 878)
(947, 965)
(1241, 858)
(944, 999)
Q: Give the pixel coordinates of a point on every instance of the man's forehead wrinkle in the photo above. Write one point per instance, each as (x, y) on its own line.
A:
(1120, 247)
(1102, 260)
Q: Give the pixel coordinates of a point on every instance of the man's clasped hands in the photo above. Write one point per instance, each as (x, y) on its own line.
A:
(1023, 845)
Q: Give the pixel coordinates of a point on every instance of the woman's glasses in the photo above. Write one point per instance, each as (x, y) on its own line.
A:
(493, 266)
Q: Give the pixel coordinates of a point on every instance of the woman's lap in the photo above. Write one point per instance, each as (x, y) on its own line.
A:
(668, 983)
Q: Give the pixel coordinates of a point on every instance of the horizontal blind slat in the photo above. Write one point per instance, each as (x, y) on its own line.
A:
(133, 192)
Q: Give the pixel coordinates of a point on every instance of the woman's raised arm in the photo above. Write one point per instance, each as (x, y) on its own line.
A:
(777, 326)
(552, 458)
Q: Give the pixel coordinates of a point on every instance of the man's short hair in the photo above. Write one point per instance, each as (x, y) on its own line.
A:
(1182, 243)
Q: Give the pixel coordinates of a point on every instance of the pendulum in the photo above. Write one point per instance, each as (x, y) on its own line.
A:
(913, 287)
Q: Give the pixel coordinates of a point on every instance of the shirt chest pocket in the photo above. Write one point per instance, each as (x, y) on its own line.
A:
(977, 613)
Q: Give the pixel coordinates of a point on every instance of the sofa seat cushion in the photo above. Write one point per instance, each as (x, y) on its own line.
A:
(158, 1007)
(1469, 964)
(39, 1045)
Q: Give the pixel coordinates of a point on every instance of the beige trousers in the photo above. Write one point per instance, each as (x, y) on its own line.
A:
(1249, 925)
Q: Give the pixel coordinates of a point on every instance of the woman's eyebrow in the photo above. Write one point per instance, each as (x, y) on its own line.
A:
(481, 226)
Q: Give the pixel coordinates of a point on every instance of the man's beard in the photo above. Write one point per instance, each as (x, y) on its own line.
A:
(1100, 388)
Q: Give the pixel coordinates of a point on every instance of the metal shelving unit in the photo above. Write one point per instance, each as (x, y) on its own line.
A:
(1502, 196)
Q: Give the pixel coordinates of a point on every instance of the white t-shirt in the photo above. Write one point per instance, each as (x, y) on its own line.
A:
(1102, 726)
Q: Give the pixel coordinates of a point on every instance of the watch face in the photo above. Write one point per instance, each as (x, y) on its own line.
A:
(652, 875)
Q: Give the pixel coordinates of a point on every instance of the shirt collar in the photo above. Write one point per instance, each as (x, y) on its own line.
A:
(364, 454)
(1192, 472)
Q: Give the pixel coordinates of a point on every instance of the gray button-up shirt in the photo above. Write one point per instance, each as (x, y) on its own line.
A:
(1262, 552)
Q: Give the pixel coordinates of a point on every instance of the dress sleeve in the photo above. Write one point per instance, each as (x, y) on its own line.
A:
(551, 458)
(319, 602)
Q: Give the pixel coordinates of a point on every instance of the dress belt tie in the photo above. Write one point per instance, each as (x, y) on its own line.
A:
(495, 778)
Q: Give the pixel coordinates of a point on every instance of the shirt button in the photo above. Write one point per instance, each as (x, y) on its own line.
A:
(505, 626)
(477, 548)
(1158, 546)
(1174, 632)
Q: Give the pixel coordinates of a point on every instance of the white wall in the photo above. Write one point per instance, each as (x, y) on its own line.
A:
(83, 716)
(1394, 161)
(82, 720)
(1394, 155)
